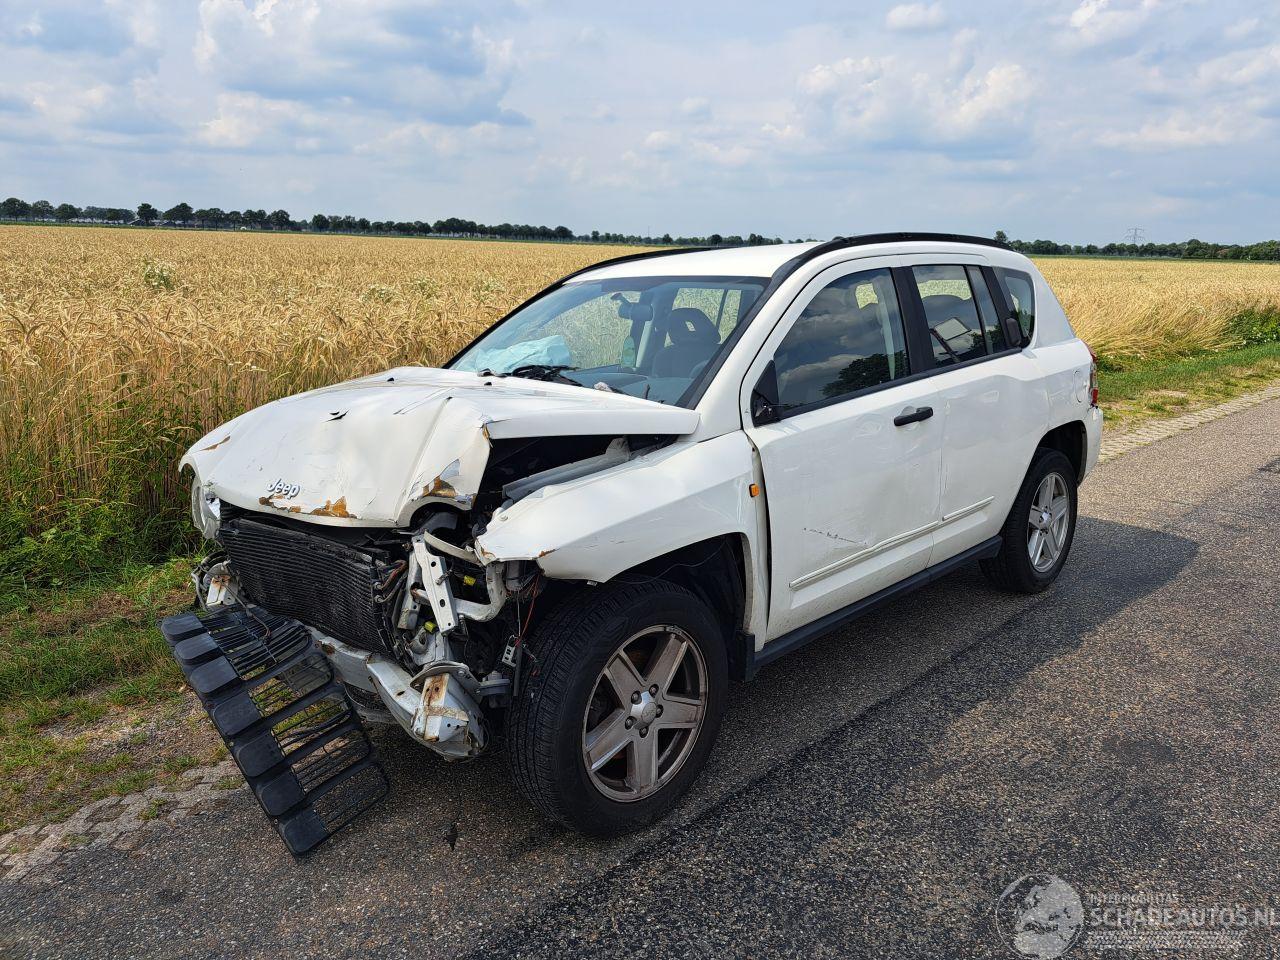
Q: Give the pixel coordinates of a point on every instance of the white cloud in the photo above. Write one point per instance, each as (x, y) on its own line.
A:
(1184, 129)
(1242, 68)
(916, 17)
(406, 142)
(247, 120)
(731, 154)
(889, 100)
(661, 141)
(1096, 22)
(408, 59)
(1242, 28)
(696, 108)
(828, 78)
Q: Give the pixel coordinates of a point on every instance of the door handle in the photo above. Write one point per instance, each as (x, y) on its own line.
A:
(912, 416)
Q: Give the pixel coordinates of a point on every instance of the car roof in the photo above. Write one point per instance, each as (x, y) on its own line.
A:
(766, 259)
(759, 261)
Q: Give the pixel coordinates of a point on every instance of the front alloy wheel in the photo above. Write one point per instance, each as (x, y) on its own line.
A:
(645, 713)
(621, 707)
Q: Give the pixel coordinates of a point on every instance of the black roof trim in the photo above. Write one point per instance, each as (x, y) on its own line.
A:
(866, 239)
(647, 255)
(836, 243)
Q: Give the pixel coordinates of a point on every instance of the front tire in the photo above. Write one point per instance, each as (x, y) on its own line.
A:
(621, 707)
(1037, 535)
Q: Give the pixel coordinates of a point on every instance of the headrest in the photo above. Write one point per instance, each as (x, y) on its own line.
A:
(830, 300)
(691, 325)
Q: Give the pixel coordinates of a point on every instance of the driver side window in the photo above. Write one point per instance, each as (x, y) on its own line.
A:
(848, 339)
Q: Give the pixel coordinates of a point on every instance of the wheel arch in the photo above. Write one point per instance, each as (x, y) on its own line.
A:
(1071, 441)
(716, 570)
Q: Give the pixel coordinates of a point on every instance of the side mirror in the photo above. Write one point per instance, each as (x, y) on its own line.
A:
(764, 398)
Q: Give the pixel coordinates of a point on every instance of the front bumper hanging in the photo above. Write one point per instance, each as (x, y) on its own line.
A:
(289, 725)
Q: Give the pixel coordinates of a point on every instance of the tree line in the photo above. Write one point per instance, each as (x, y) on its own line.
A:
(214, 218)
(1188, 249)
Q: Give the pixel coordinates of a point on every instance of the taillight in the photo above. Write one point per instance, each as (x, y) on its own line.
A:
(1093, 376)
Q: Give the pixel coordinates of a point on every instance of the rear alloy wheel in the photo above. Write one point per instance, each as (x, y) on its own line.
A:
(1037, 535)
(621, 707)
(1047, 523)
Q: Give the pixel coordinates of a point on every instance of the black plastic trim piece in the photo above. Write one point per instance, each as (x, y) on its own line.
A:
(915, 416)
(755, 659)
(288, 723)
(919, 348)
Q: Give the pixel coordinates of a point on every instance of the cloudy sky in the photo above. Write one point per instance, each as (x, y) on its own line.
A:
(1067, 119)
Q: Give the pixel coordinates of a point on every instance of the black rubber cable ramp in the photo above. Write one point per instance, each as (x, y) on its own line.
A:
(290, 726)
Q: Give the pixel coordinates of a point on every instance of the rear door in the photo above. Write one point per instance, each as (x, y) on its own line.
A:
(852, 459)
(990, 397)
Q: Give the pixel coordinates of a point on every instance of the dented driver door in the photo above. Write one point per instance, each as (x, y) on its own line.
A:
(852, 463)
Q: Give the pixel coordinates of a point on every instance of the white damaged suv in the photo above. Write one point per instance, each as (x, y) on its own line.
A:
(657, 475)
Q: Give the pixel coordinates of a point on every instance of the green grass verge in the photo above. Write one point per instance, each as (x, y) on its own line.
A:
(1139, 390)
(91, 703)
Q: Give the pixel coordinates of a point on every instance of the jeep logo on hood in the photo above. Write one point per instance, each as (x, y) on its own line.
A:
(284, 488)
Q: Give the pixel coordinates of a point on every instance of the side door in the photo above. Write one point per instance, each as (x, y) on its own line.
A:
(990, 406)
(849, 449)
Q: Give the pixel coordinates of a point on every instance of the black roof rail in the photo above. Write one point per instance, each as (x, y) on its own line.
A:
(866, 239)
(835, 243)
(647, 255)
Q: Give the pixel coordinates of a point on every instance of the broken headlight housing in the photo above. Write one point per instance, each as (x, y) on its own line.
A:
(205, 510)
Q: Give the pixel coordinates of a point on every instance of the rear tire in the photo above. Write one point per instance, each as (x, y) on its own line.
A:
(590, 743)
(1037, 535)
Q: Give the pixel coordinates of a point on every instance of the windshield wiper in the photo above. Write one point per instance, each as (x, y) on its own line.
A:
(544, 371)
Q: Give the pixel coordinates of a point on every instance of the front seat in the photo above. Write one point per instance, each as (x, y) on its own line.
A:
(694, 339)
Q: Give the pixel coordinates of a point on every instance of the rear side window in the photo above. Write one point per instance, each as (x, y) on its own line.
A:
(848, 339)
(1020, 292)
(991, 325)
(955, 330)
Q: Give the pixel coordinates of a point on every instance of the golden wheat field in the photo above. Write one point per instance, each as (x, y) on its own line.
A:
(118, 347)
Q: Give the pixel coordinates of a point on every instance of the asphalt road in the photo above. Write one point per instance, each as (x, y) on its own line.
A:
(871, 795)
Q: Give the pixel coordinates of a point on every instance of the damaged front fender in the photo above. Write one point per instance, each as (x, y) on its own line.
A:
(597, 526)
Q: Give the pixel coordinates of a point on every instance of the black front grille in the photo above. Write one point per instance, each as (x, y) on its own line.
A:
(309, 577)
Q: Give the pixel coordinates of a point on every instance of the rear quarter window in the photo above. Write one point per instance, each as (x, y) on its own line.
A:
(1021, 294)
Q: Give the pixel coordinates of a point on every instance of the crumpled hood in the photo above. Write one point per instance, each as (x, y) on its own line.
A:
(371, 451)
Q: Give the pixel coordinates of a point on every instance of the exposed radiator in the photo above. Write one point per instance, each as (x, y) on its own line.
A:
(311, 578)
